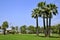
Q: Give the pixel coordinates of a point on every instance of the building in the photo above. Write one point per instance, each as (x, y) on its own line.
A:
(8, 30)
(1, 31)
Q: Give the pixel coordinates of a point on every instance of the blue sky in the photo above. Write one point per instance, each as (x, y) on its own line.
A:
(18, 12)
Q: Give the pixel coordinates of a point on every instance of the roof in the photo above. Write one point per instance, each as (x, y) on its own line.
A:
(8, 29)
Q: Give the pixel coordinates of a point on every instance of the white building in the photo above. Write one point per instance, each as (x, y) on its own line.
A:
(1, 31)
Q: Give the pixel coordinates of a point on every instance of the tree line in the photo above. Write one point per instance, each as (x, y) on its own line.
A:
(24, 29)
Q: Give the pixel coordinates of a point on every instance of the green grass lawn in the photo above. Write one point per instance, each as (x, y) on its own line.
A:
(28, 37)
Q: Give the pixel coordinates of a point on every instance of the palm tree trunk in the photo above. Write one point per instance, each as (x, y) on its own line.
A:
(37, 26)
(4, 31)
(44, 25)
(59, 30)
(47, 24)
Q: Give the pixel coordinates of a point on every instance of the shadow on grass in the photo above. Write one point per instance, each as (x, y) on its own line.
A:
(54, 37)
(51, 36)
(41, 36)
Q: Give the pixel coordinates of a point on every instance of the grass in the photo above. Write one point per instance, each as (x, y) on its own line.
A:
(28, 37)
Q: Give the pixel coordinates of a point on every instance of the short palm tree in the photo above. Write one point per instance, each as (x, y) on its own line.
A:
(35, 14)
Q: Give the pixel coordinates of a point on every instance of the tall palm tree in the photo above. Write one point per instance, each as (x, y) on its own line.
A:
(46, 16)
(47, 12)
(52, 11)
(35, 14)
(41, 6)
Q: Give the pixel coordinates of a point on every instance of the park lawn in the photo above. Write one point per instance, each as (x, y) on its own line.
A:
(27, 37)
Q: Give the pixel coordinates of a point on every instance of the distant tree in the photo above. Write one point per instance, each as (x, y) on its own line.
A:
(41, 29)
(23, 29)
(54, 29)
(4, 26)
(31, 29)
(13, 30)
(59, 28)
(16, 29)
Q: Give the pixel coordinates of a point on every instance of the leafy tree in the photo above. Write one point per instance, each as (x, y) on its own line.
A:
(39, 29)
(31, 29)
(54, 29)
(23, 29)
(59, 28)
(42, 30)
(4, 26)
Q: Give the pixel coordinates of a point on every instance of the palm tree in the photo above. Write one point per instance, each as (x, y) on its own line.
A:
(41, 6)
(4, 26)
(46, 16)
(52, 11)
(46, 12)
(35, 14)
